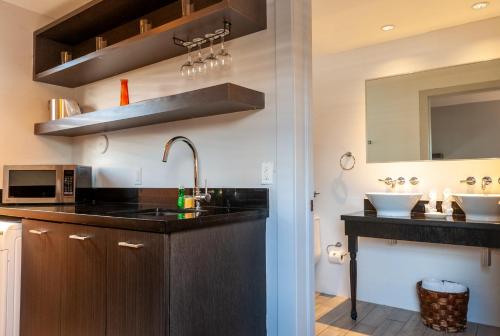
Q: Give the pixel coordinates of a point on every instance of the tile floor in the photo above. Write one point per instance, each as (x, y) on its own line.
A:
(333, 319)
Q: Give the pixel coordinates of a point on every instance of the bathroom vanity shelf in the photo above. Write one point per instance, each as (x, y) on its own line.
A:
(214, 100)
(418, 228)
(118, 23)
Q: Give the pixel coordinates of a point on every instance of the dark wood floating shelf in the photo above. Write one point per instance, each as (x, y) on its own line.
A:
(118, 22)
(214, 100)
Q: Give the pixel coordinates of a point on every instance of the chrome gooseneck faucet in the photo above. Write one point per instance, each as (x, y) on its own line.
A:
(198, 196)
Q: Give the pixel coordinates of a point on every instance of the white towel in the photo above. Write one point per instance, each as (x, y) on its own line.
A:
(443, 286)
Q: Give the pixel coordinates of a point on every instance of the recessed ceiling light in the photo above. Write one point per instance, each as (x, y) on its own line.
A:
(480, 5)
(388, 27)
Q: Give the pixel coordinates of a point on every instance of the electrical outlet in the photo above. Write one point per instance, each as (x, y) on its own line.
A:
(267, 173)
(138, 176)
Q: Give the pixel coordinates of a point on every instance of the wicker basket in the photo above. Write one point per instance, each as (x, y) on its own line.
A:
(443, 311)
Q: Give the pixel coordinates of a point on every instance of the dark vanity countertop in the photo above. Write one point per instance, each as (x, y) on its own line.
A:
(417, 218)
(123, 216)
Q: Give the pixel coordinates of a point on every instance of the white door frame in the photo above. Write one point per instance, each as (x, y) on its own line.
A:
(294, 187)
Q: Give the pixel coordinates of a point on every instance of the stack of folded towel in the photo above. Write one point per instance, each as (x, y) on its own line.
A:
(443, 286)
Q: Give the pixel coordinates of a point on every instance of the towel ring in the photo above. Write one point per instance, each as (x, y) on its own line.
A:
(345, 156)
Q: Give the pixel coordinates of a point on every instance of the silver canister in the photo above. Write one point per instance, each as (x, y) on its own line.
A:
(62, 108)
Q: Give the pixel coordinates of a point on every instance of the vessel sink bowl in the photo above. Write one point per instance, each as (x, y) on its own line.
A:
(393, 204)
(480, 207)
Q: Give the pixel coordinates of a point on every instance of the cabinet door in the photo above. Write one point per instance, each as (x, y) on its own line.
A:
(83, 302)
(41, 278)
(137, 283)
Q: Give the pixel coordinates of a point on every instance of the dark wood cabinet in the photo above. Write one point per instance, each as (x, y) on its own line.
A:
(41, 278)
(63, 280)
(80, 280)
(218, 285)
(83, 291)
(137, 283)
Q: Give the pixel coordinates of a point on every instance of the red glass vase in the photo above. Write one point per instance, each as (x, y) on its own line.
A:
(124, 100)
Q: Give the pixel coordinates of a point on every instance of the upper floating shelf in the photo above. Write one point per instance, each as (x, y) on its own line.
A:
(118, 22)
(214, 100)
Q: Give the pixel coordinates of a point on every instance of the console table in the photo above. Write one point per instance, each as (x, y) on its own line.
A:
(454, 231)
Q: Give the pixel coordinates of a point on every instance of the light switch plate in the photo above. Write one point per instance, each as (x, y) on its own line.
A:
(267, 173)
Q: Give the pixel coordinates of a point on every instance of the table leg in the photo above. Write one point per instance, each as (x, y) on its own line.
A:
(353, 249)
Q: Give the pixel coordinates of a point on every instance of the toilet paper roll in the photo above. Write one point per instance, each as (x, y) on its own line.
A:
(337, 257)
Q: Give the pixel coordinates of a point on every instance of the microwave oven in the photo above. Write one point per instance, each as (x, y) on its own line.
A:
(59, 184)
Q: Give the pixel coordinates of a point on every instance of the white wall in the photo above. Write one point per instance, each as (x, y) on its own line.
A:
(22, 101)
(219, 139)
(231, 147)
(387, 274)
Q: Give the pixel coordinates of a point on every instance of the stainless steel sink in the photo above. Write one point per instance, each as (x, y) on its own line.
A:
(158, 212)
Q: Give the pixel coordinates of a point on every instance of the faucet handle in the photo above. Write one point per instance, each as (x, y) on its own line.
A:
(208, 197)
(414, 181)
(486, 181)
(469, 180)
(401, 180)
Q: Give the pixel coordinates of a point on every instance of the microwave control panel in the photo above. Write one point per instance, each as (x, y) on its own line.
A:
(69, 183)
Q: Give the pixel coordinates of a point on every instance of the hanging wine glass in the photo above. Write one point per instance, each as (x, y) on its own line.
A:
(199, 63)
(188, 69)
(225, 58)
(211, 59)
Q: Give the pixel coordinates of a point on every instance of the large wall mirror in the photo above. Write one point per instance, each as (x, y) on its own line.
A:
(449, 113)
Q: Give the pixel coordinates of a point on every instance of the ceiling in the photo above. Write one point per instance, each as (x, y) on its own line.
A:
(51, 8)
(340, 25)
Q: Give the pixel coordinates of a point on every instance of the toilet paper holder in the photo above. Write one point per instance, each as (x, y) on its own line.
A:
(337, 245)
(336, 256)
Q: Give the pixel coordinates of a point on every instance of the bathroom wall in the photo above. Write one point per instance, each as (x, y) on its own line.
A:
(387, 274)
(22, 101)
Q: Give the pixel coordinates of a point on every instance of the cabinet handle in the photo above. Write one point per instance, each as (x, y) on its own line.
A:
(135, 246)
(37, 232)
(78, 237)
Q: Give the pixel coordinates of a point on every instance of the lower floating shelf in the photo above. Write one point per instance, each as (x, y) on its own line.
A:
(214, 100)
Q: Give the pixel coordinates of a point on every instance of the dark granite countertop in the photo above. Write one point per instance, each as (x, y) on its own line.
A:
(125, 216)
(418, 218)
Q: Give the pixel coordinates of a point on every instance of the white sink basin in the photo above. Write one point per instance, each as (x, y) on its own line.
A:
(480, 207)
(393, 204)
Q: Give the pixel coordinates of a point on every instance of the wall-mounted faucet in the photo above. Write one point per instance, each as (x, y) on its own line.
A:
(198, 196)
(390, 182)
(486, 181)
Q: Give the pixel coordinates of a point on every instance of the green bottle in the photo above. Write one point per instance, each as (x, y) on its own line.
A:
(180, 197)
